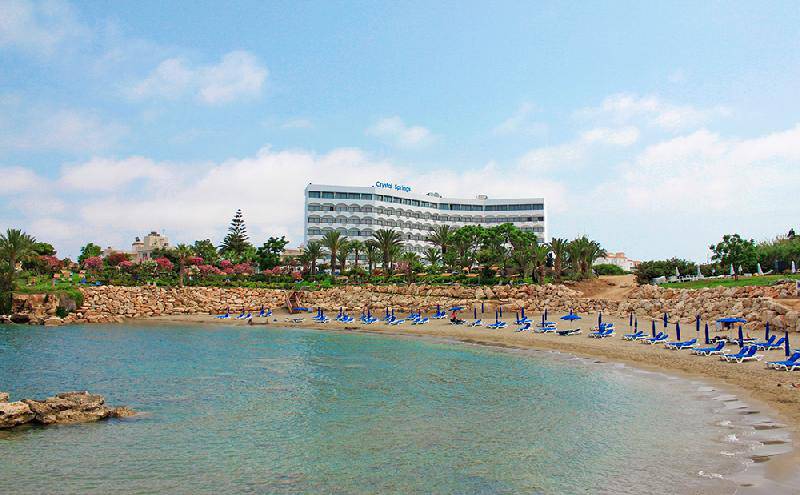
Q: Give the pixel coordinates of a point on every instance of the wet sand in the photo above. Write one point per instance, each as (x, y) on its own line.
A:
(765, 391)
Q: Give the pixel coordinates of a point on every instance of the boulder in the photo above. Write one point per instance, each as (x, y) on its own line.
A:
(14, 414)
(69, 407)
(3, 397)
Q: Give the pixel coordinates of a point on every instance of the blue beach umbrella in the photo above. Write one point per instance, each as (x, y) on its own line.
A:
(654, 328)
(392, 312)
(543, 317)
(599, 318)
(545, 314)
(697, 323)
(786, 343)
(766, 332)
(475, 313)
(482, 308)
(677, 331)
(741, 337)
(571, 317)
(666, 319)
(438, 308)
(501, 311)
(630, 320)
(522, 312)
(636, 324)
(369, 313)
(496, 317)
(707, 341)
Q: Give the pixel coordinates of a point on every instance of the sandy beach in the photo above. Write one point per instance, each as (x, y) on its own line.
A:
(771, 391)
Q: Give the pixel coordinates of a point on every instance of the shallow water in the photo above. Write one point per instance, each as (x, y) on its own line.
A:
(255, 410)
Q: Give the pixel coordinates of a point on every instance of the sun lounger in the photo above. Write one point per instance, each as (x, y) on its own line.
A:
(601, 334)
(633, 336)
(790, 364)
(766, 344)
(747, 353)
(222, 317)
(475, 323)
(524, 327)
(420, 321)
(778, 344)
(546, 327)
(564, 333)
(660, 337)
(708, 351)
(687, 344)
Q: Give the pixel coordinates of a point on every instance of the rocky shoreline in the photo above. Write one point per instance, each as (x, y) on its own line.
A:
(109, 304)
(64, 408)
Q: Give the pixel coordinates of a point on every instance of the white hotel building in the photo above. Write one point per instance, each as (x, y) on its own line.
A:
(358, 212)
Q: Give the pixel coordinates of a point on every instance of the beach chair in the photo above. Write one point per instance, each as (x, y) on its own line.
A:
(633, 336)
(765, 345)
(222, 317)
(601, 334)
(546, 327)
(439, 315)
(524, 327)
(708, 351)
(790, 364)
(420, 321)
(675, 346)
(778, 344)
(566, 333)
(660, 337)
(475, 323)
(746, 353)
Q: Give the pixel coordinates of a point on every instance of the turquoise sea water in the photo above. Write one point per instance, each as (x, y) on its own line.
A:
(255, 410)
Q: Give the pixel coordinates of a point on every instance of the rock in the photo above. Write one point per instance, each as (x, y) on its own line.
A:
(3, 397)
(73, 407)
(53, 321)
(14, 414)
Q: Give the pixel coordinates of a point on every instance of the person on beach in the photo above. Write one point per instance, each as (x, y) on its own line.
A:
(454, 319)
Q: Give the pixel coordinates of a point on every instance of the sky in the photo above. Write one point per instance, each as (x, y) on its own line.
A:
(652, 128)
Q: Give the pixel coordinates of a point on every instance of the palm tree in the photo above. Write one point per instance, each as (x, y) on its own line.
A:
(540, 253)
(15, 246)
(333, 240)
(357, 247)
(389, 243)
(559, 249)
(182, 253)
(343, 253)
(371, 248)
(582, 253)
(411, 259)
(433, 256)
(523, 251)
(441, 235)
(312, 252)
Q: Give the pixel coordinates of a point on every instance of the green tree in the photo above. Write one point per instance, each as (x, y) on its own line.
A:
(333, 240)
(182, 253)
(89, 251)
(582, 253)
(440, 236)
(389, 243)
(558, 247)
(15, 246)
(312, 252)
(736, 251)
(206, 250)
(523, 251)
(433, 256)
(648, 270)
(44, 249)
(236, 244)
(411, 262)
(371, 249)
(357, 247)
(342, 254)
(269, 254)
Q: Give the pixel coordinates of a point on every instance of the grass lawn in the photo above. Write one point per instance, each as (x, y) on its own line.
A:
(729, 282)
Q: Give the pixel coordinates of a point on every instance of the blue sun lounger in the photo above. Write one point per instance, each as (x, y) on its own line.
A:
(475, 323)
(601, 334)
(686, 344)
(222, 317)
(633, 336)
(660, 337)
(747, 353)
(790, 364)
(524, 327)
(775, 345)
(708, 351)
(546, 327)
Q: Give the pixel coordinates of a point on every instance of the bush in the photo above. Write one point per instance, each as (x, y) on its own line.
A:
(648, 270)
(608, 269)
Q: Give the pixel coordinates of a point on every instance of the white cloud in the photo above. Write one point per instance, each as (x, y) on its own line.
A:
(238, 75)
(18, 180)
(550, 158)
(101, 174)
(520, 123)
(624, 108)
(62, 130)
(624, 136)
(394, 130)
(39, 27)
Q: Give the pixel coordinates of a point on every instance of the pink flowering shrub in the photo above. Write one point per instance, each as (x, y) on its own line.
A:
(164, 264)
(125, 265)
(209, 270)
(52, 263)
(93, 263)
(242, 269)
(225, 264)
(195, 260)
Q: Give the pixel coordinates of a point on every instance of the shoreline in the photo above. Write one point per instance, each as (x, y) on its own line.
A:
(751, 388)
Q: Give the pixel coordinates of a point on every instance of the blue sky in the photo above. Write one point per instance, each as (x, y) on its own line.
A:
(652, 128)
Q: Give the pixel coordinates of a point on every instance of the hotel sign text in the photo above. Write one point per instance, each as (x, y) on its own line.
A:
(389, 185)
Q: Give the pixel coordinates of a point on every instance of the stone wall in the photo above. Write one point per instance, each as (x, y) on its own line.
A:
(757, 304)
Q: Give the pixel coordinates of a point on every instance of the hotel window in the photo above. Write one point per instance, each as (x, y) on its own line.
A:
(314, 208)
(314, 231)
(367, 209)
(313, 194)
(327, 194)
(366, 196)
(313, 219)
